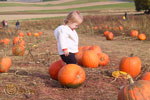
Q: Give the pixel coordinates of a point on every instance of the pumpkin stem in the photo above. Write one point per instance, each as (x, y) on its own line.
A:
(131, 55)
(130, 79)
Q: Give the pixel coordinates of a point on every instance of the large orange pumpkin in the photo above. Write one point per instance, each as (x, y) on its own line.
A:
(103, 59)
(139, 90)
(146, 76)
(18, 50)
(71, 75)
(5, 63)
(96, 48)
(142, 36)
(134, 33)
(90, 59)
(131, 65)
(54, 69)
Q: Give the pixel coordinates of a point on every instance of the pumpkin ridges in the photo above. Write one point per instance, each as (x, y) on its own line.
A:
(139, 89)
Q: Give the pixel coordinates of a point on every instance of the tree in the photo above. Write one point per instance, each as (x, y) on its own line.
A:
(142, 5)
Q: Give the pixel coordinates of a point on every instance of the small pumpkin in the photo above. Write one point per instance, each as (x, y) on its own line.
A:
(146, 76)
(54, 69)
(134, 33)
(18, 50)
(18, 41)
(21, 34)
(142, 36)
(90, 59)
(103, 59)
(5, 41)
(120, 28)
(131, 65)
(29, 34)
(106, 33)
(36, 34)
(71, 75)
(40, 33)
(5, 63)
(138, 90)
(110, 36)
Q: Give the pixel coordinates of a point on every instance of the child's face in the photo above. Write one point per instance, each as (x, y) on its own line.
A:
(74, 25)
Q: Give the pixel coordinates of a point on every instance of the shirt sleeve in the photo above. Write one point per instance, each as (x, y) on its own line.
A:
(62, 38)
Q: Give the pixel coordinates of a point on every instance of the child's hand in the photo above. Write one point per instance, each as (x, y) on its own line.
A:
(66, 52)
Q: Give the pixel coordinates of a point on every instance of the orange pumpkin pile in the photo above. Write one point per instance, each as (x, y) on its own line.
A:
(91, 57)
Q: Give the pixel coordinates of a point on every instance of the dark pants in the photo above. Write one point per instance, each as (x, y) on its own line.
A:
(70, 59)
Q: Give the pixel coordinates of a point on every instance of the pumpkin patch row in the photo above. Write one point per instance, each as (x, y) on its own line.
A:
(18, 49)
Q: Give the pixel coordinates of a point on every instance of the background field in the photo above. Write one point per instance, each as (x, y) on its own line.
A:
(28, 77)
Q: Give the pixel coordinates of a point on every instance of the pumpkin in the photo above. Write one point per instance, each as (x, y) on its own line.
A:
(134, 33)
(105, 26)
(79, 57)
(95, 28)
(120, 28)
(21, 34)
(18, 50)
(106, 33)
(85, 48)
(131, 65)
(29, 34)
(146, 76)
(96, 48)
(54, 69)
(103, 59)
(110, 36)
(40, 33)
(5, 41)
(71, 75)
(90, 59)
(138, 90)
(36, 34)
(142, 36)
(5, 63)
(18, 41)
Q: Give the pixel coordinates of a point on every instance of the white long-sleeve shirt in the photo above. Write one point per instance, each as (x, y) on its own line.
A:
(66, 39)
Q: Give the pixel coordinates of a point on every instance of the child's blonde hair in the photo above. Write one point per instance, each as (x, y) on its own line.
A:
(73, 16)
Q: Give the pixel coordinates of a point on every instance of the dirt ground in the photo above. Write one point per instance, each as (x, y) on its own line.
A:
(27, 80)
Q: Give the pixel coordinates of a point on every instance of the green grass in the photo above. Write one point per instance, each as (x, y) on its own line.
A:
(13, 4)
(48, 5)
(99, 7)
